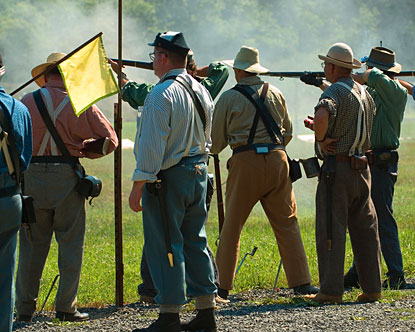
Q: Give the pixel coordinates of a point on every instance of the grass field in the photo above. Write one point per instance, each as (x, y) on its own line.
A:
(97, 286)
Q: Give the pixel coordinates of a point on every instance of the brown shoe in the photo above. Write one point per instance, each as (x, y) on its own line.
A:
(147, 299)
(220, 300)
(324, 298)
(369, 297)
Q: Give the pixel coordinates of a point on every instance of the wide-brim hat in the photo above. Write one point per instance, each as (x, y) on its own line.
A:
(247, 60)
(171, 40)
(382, 58)
(341, 54)
(52, 59)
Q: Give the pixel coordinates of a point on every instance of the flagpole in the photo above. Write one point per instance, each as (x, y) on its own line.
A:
(119, 266)
(52, 66)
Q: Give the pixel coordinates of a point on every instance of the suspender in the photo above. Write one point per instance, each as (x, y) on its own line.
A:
(53, 113)
(361, 129)
(261, 111)
(57, 138)
(200, 110)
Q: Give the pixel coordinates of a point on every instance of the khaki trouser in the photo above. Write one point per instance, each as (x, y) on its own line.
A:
(352, 209)
(59, 209)
(261, 177)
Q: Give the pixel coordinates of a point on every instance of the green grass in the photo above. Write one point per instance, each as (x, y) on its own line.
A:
(97, 287)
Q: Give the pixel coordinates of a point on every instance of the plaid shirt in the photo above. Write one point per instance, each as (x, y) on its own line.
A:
(343, 108)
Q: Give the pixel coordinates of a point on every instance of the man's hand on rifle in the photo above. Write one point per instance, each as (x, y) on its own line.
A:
(116, 68)
(311, 79)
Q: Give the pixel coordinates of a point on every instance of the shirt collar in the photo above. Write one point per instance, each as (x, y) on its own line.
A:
(251, 80)
(2, 89)
(55, 84)
(173, 72)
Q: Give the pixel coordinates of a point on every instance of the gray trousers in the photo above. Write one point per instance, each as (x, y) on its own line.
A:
(59, 209)
(352, 209)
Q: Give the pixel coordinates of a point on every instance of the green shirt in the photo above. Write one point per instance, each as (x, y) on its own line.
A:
(135, 94)
(390, 99)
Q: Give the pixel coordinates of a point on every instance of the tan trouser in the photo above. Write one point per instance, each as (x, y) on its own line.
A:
(59, 209)
(351, 209)
(261, 177)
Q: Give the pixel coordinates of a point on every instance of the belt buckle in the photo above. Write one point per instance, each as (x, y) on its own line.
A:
(262, 149)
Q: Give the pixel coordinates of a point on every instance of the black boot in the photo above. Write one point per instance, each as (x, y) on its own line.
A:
(203, 322)
(167, 322)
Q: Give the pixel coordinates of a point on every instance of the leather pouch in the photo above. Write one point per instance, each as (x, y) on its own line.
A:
(358, 162)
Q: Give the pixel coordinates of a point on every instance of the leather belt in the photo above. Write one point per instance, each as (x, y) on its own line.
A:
(269, 146)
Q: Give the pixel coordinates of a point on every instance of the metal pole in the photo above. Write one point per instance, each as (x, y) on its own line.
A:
(119, 266)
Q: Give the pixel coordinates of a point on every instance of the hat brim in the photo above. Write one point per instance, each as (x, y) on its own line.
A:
(355, 65)
(40, 81)
(397, 68)
(254, 69)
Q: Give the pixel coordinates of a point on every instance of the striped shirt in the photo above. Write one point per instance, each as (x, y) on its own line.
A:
(169, 122)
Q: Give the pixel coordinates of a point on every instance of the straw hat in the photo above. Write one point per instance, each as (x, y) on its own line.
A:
(341, 55)
(382, 58)
(52, 58)
(247, 59)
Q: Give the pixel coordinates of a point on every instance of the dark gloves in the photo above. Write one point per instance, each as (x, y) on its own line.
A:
(311, 79)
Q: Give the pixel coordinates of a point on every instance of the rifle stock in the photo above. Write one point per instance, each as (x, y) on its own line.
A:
(137, 64)
(219, 196)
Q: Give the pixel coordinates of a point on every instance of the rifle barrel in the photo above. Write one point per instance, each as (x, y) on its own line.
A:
(293, 73)
(137, 64)
(406, 73)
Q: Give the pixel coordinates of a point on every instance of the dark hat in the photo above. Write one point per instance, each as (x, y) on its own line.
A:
(173, 41)
(382, 58)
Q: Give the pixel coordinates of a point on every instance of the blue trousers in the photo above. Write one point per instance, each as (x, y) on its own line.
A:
(192, 273)
(147, 288)
(10, 218)
(383, 185)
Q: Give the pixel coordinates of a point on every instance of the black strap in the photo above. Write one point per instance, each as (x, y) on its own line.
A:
(49, 124)
(53, 160)
(260, 106)
(15, 155)
(56, 137)
(200, 110)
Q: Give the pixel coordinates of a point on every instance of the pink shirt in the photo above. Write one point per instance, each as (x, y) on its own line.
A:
(72, 129)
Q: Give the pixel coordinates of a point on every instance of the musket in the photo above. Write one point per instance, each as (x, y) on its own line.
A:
(219, 196)
(137, 64)
(296, 74)
(293, 74)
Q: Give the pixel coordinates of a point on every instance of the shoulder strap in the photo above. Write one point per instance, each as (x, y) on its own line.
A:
(263, 111)
(361, 120)
(196, 101)
(51, 127)
(12, 142)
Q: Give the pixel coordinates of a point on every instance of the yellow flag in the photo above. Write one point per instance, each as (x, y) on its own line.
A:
(87, 76)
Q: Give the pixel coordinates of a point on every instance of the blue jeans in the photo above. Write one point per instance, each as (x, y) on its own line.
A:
(10, 218)
(192, 273)
(383, 184)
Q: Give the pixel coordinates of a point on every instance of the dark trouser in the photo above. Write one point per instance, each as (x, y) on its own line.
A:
(352, 209)
(383, 183)
(146, 288)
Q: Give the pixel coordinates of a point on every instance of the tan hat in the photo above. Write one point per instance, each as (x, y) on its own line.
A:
(341, 54)
(247, 59)
(382, 58)
(52, 58)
